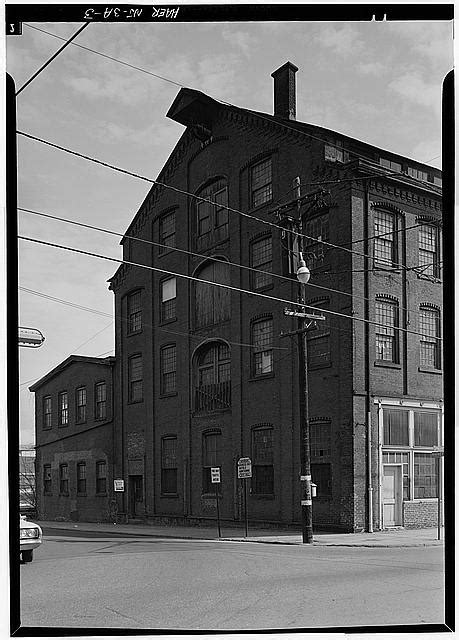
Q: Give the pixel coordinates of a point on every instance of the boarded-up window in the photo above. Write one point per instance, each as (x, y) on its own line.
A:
(212, 303)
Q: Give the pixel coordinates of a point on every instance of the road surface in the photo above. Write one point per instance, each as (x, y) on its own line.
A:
(90, 580)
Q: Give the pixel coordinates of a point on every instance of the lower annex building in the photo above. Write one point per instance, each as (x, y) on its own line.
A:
(201, 374)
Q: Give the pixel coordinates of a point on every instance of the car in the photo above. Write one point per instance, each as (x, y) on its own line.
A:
(30, 538)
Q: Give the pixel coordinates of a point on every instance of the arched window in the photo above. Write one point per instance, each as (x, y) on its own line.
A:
(212, 213)
(212, 304)
(212, 377)
(429, 341)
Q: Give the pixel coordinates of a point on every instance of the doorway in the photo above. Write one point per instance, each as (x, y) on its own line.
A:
(392, 495)
(135, 496)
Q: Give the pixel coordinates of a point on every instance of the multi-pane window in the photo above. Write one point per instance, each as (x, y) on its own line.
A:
(403, 460)
(319, 340)
(262, 461)
(47, 478)
(47, 412)
(101, 401)
(167, 231)
(321, 477)
(262, 341)
(63, 478)
(101, 476)
(385, 241)
(335, 152)
(168, 298)
(81, 404)
(81, 477)
(261, 255)
(261, 183)
(395, 427)
(426, 429)
(429, 328)
(212, 303)
(134, 303)
(425, 478)
(211, 457)
(428, 250)
(63, 408)
(316, 231)
(169, 464)
(320, 439)
(390, 164)
(135, 379)
(212, 210)
(168, 369)
(386, 331)
(418, 174)
(213, 377)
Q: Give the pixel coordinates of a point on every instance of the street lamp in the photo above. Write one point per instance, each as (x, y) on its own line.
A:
(303, 274)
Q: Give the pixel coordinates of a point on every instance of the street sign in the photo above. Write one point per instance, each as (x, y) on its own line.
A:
(118, 485)
(244, 468)
(215, 474)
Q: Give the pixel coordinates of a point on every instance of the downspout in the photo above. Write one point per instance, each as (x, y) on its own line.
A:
(366, 223)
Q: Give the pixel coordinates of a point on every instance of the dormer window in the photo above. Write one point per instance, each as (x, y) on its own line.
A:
(335, 152)
(390, 164)
(417, 174)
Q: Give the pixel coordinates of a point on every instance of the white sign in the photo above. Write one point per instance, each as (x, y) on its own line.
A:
(119, 485)
(215, 474)
(244, 468)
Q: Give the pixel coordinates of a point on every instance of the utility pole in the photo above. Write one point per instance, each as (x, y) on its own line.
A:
(305, 321)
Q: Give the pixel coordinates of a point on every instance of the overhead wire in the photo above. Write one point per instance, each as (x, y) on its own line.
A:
(215, 284)
(195, 254)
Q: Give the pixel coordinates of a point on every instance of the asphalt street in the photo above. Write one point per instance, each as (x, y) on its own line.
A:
(105, 581)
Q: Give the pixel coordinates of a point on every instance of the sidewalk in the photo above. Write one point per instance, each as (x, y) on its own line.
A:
(390, 538)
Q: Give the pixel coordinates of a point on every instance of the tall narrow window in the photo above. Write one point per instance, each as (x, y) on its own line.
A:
(47, 412)
(47, 478)
(135, 379)
(168, 369)
(386, 330)
(262, 461)
(101, 401)
(167, 231)
(317, 231)
(101, 476)
(213, 377)
(212, 212)
(385, 242)
(63, 408)
(320, 438)
(321, 477)
(428, 251)
(261, 183)
(134, 303)
(425, 478)
(81, 477)
(212, 303)
(168, 299)
(64, 479)
(395, 427)
(81, 404)
(169, 465)
(429, 327)
(261, 254)
(319, 340)
(262, 341)
(211, 457)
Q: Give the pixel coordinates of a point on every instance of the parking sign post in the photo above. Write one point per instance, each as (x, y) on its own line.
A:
(215, 478)
(244, 471)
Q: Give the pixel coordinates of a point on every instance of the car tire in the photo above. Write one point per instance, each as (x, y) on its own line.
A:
(27, 556)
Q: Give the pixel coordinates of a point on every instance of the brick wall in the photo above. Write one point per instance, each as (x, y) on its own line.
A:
(419, 514)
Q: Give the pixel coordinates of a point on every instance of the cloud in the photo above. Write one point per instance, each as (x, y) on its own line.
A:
(412, 87)
(342, 40)
(372, 68)
(241, 39)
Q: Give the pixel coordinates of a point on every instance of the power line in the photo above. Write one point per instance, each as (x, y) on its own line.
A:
(201, 255)
(256, 113)
(215, 284)
(51, 59)
(192, 195)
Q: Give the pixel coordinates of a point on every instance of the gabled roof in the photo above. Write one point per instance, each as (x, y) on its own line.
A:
(107, 362)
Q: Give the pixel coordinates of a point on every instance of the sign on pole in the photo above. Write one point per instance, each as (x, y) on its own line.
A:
(118, 485)
(215, 474)
(244, 468)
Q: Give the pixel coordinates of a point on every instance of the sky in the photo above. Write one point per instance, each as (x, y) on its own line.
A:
(379, 82)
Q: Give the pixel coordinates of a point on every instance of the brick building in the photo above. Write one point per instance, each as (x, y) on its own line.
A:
(203, 376)
(73, 431)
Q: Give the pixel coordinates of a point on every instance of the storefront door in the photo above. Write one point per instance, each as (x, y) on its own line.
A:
(392, 495)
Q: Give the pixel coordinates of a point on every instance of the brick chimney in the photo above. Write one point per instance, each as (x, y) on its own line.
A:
(285, 91)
